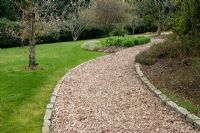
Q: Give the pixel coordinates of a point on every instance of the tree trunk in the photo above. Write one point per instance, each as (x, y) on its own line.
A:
(133, 30)
(122, 27)
(75, 37)
(32, 60)
(159, 30)
(160, 7)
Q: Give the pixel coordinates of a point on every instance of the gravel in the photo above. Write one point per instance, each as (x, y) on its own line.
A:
(106, 96)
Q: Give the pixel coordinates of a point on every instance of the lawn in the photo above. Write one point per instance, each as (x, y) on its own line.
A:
(24, 94)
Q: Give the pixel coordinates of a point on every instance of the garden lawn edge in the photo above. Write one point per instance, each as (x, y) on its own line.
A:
(50, 105)
(188, 116)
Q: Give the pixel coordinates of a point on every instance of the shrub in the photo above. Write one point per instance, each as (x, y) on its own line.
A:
(145, 59)
(171, 48)
(90, 33)
(8, 36)
(92, 45)
(118, 32)
(157, 51)
(185, 22)
(7, 41)
(49, 38)
(143, 40)
(125, 41)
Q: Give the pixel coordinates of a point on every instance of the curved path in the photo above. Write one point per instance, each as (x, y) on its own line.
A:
(105, 96)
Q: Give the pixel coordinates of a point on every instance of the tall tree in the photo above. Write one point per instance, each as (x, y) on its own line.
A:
(186, 22)
(109, 13)
(28, 10)
(159, 5)
(154, 11)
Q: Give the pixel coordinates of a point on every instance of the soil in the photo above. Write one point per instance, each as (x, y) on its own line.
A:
(111, 49)
(179, 77)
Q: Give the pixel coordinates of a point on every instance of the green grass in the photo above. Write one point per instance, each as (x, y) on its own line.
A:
(189, 105)
(24, 94)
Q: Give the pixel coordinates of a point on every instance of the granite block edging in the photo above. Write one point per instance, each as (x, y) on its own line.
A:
(189, 117)
(50, 105)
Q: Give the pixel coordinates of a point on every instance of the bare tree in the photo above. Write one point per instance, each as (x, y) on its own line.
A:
(135, 22)
(75, 24)
(74, 18)
(109, 13)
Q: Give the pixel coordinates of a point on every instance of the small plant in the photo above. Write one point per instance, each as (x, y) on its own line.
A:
(125, 41)
(92, 45)
(145, 59)
(157, 51)
(128, 42)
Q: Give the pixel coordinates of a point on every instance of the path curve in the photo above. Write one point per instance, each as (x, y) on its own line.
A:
(106, 96)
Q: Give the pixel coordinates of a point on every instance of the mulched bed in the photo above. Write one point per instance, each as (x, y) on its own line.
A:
(111, 49)
(183, 79)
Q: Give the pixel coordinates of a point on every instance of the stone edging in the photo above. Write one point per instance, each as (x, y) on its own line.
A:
(189, 117)
(50, 105)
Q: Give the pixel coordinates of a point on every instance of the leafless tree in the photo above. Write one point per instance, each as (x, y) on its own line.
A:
(75, 18)
(135, 22)
(108, 13)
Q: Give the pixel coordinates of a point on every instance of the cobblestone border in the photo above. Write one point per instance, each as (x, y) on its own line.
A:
(50, 105)
(189, 117)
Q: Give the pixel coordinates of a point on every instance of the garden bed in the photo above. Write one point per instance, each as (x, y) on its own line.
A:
(114, 44)
(179, 82)
(177, 76)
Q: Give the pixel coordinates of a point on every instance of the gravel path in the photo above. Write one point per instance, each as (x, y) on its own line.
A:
(105, 96)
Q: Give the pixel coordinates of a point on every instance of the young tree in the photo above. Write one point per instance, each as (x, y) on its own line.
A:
(34, 21)
(74, 18)
(29, 10)
(135, 22)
